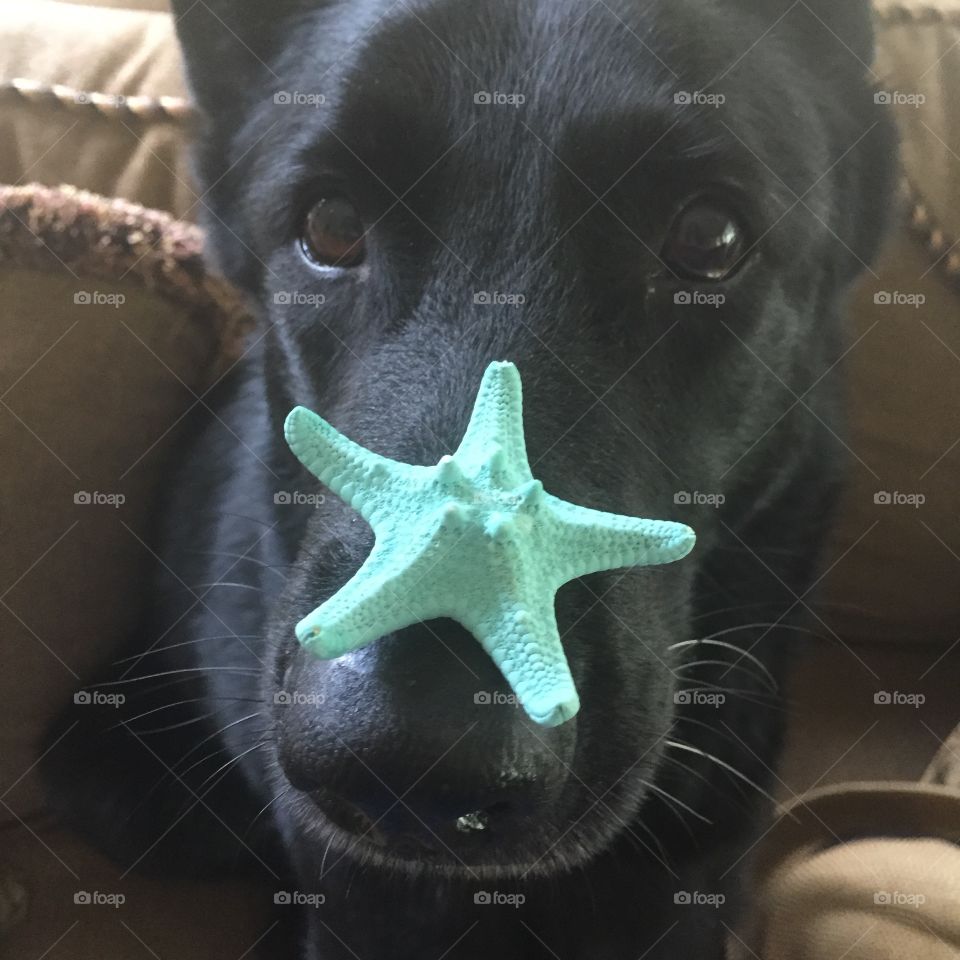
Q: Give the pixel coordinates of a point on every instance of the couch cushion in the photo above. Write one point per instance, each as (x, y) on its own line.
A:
(892, 567)
(112, 331)
(893, 560)
(865, 871)
(94, 97)
(918, 71)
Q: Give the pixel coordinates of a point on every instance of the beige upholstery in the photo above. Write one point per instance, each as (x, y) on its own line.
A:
(896, 567)
(54, 57)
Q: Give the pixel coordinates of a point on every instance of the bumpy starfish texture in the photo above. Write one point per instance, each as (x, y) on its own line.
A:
(475, 538)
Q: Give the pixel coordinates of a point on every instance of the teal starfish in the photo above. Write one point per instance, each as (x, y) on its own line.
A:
(475, 538)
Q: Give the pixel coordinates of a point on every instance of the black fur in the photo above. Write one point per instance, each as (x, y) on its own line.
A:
(630, 398)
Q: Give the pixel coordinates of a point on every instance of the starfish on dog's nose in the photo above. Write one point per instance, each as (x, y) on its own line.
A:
(475, 538)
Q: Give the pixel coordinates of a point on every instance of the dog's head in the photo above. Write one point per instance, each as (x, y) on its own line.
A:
(654, 209)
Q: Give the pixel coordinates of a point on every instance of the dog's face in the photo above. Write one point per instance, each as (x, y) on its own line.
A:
(653, 208)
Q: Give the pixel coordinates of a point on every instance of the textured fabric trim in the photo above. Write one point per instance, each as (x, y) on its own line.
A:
(90, 102)
(63, 228)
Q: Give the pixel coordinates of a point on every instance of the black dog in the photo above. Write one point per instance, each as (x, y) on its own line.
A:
(655, 208)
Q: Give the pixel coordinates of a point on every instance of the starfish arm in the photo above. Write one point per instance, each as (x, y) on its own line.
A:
(523, 640)
(396, 586)
(587, 541)
(377, 600)
(497, 422)
(364, 479)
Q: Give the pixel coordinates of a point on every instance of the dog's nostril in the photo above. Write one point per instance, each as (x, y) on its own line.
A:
(432, 820)
(346, 815)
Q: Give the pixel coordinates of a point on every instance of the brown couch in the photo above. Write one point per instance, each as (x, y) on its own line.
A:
(91, 95)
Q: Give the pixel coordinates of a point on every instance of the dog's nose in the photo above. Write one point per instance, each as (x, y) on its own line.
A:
(416, 738)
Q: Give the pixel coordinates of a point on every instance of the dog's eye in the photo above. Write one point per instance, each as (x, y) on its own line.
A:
(705, 241)
(333, 234)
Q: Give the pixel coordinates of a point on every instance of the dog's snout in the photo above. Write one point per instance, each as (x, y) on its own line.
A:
(416, 738)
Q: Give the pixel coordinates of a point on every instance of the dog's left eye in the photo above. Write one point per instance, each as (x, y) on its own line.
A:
(705, 241)
(332, 234)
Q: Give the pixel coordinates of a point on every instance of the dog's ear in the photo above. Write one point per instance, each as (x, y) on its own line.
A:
(228, 47)
(832, 28)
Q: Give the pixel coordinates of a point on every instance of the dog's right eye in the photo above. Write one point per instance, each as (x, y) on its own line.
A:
(706, 241)
(333, 234)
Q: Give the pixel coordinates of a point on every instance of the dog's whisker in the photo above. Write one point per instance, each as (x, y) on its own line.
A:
(240, 671)
(244, 558)
(141, 694)
(227, 765)
(240, 516)
(693, 772)
(667, 796)
(679, 745)
(176, 703)
(177, 726)
(632, 837)
(761, 678)
(265, 808)
(323, 859)
(217, 733)
(127, 721)
(773, 625)
(234, 584)
(746, 654)
(173, 772)
(187, 643)
(199, 795)
(722, 734)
